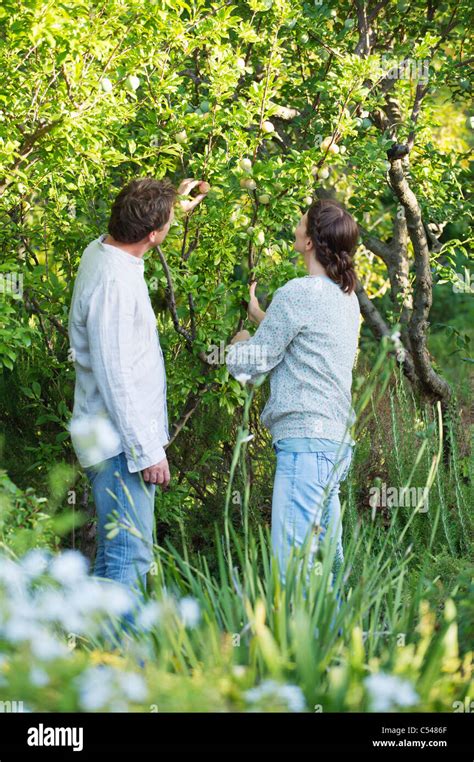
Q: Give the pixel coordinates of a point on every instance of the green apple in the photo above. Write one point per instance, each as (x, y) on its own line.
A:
(204, 106)
(106, 85)
(264, 198)
(329, 145)
(342, 149)
(268, 127)
(181, 137)
(308, 200)
(324, 173)
(260, 237)
(132, 83)
(248, 183)
(245, 164)
(250, 230)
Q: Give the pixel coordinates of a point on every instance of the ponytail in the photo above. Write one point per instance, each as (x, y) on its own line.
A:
(334, 233)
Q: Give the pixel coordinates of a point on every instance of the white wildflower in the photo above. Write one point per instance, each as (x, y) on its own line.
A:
(94, 435)
(149, 615)
(38, 677)
(96, 688)
(11, 574)
(133, 686)
(35, 562)
(291, 695)
(189, 611)
(46, 647)
(69, 567)
(387, 692)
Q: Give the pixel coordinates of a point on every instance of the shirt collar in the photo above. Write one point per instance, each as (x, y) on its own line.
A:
(120, 253)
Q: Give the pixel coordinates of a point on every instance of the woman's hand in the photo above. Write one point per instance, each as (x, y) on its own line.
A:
(254, 312)
(240, 336)
(187, 205)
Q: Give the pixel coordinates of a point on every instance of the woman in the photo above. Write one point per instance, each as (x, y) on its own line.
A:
(308, 340)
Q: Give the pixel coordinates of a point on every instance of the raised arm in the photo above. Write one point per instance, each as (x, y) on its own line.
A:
(265, 349)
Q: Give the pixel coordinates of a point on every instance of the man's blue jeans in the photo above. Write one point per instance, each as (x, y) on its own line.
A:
(125, 498)
(305, 501)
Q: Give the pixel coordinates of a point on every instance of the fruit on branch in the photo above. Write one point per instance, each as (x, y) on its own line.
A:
(245, 164)
(268, 126)
(204, 187)
(181, 137)
(260, 237)
(132, 83)
(248, 183)
(329, 145)
(308, 200)
(106, 85)
(323, 173)
(264, 198)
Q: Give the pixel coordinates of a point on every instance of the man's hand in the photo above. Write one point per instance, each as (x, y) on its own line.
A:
(240, 336)
(187, 205)
(254, 312)
(158, 474)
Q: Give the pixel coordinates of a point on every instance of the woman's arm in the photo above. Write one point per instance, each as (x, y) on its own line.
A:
(254, 311)
(259, 353)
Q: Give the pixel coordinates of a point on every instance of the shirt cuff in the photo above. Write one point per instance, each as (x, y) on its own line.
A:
(145, 461)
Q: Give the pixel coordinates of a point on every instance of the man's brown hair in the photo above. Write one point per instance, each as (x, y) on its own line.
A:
(141, 206)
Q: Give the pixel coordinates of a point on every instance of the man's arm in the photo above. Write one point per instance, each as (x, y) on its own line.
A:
(112, 340)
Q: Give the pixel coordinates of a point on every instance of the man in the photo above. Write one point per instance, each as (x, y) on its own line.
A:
(119, 425)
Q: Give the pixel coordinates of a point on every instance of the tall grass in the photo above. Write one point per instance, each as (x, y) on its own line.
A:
(327, 628)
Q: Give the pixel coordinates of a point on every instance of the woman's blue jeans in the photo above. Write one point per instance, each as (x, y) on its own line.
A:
(305, 503)
(129, 501)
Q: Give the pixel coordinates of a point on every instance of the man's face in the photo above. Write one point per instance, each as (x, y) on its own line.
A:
(158, 236)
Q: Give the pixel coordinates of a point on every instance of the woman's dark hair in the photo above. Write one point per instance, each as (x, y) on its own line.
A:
(334, 233)
(141, 206)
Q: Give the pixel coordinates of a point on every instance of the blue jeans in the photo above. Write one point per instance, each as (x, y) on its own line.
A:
(124, 497)
(306, 496)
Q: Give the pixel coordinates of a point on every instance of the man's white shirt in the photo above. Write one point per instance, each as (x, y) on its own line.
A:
(120, 392)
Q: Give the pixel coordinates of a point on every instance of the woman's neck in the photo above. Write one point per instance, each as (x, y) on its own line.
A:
(312, 265)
